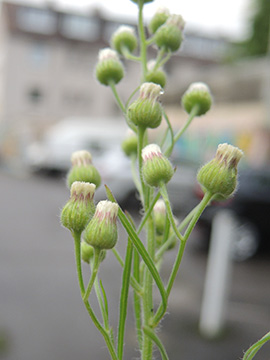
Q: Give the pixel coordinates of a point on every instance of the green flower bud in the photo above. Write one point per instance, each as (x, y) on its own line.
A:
(219, 176)
(80, 208)
(156, 167)
(101, 232)
(159, 18)
(124, 37)
(198, 94)
(155, 76)
(109, 68)
(130, 144)
(169, 35)
(159, 212)
(146, 111)
(83, 169)
(87, 252)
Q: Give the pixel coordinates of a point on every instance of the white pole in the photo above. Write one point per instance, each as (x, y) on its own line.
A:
(217, 275)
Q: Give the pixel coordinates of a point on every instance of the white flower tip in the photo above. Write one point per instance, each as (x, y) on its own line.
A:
(81, 157)
(106, 208)
(107, 53)
(82, 188)
(160, 206)
(198, 86)
(125, 29)
(151, 150)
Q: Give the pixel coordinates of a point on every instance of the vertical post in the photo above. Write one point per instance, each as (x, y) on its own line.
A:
(218, 271)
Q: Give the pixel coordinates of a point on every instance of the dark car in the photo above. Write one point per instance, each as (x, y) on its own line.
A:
(250, 207)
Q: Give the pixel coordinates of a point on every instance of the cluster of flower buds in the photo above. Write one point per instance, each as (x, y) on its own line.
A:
(124, 38)
(160, 17)
(80, 208)
(219, 176)
(101, 232)
(130, 144)
(109, 68)
(83, 169)
(157, 76)
(146, 111)
(198, 94)
(169, 35)
(156, 168)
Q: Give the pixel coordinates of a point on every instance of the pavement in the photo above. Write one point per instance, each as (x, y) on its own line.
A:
(41, 313)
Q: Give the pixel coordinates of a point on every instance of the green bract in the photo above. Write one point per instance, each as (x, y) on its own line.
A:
(219, 176)
(109, 68)
(101, 232)
(198, 94)
(156, 168)
(82, 169)
(123, 38)
(147, 111)
(158, 19)
(80, 208)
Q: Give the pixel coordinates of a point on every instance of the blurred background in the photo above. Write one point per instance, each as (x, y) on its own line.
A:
(51, 105)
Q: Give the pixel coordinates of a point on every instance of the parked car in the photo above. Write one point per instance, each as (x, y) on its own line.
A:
(251, 209)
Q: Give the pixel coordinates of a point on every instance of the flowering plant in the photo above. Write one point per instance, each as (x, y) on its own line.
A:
(152, 170)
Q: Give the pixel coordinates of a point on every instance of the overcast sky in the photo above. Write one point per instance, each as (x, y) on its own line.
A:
(229, 17)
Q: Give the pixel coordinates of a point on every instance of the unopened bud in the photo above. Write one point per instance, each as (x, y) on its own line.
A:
(159, 18)
(124, 37)
(101, 232)
(157, 76)
(156, 167)
(82, 169)
(219, 176)
(169, 35)
(87, 252)
(198, 94)
(146, 111)
(109, 68)
(159, 212)
(80, 208)
(130, 144)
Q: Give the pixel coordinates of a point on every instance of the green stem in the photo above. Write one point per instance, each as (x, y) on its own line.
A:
(135, 174)
(93, 274)
(105, 334)
(165, 196)
(177, 136)
(147, 343)
(134, 283)
(141, 133)
(117, 97)
(148, 212)
(199, 209)
(127, 54)
(143, 44)
(137, 298)
(152, 335)
(77, 244)
(251, 352)
(124, 299)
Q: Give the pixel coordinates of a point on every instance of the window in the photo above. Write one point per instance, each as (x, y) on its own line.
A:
(35, 95)
(36, 20)
(79, 27)
(39, 53)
